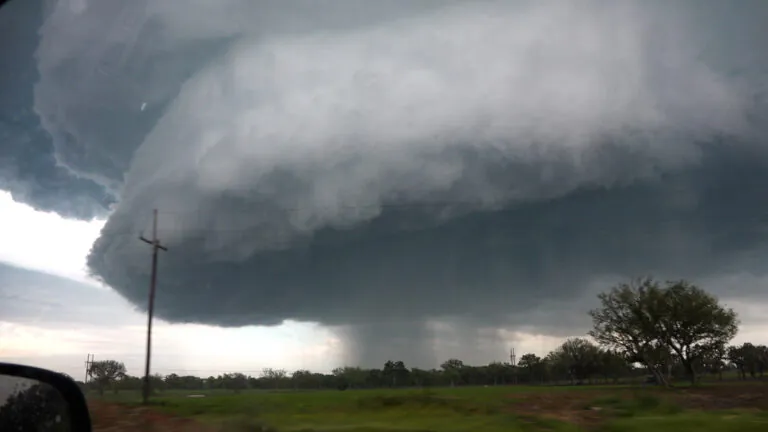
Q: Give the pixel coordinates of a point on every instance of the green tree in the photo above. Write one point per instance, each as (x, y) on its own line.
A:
(695, 324)
(156, 382)
(350, 376)
(748, 359)
(497, 372)
(274, 376)
(648, 322)
(452, 369)
(395, 371)
(714, 362)
(421, 377)
(612, 365)
(187, 382)
(578, 357)
(626, 322)
(533, 365)
(106, 373)
(762, 358)
(236, 382)
(302, 378)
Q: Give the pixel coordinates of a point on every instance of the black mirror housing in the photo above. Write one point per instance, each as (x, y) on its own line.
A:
(22, 406)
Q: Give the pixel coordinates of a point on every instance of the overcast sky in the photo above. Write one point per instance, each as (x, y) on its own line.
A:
(406, 179)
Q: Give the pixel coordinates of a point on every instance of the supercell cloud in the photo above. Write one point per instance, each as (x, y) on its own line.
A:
(379, 165)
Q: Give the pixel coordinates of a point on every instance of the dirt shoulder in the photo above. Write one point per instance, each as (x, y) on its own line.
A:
(114, 417)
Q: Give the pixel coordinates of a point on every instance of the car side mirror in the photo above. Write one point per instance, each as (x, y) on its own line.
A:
(39, 400)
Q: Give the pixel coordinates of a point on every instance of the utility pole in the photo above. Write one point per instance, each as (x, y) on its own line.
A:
(88, 363)
(155, 243)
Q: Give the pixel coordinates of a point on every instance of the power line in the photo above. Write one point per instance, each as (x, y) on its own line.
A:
(155, 243)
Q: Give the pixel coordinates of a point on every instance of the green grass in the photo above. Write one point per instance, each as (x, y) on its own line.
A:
(457, 409)
(724, 421)
(650, 412)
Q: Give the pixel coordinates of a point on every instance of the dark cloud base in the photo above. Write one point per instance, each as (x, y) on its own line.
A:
(486, 266)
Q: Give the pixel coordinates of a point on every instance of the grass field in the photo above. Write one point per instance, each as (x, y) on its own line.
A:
(730, 407)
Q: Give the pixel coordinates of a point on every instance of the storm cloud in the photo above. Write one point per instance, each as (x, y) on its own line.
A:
(380, 165)
(28, 164)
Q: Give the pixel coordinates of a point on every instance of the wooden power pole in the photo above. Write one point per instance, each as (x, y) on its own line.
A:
(155, 243)
(88, 363)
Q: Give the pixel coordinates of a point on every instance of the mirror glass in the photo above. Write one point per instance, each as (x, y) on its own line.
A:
(30, 405)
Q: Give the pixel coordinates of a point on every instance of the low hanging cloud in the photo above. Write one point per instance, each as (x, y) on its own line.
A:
(410, 161)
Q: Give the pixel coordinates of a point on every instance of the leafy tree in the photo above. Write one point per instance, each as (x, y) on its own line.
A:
(421, 377)
(302, 378)
(156, 382)
(128, 382)
(374, 378)
(235, 382)
(395, 371)
(534, 365)
(648, 323)
(187, 382)
(528, 361)
(173, 381)
(695, 325)
(747, 358)
(106, 373)
(452, 369)
(578, 357)
(713, 361)
(762, 358)
(350, 376)
(612, 365)
(497, 371)
(626, 322)
(274, 376)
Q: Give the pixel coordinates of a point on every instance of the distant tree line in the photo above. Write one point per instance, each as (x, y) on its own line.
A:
(643, 330)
